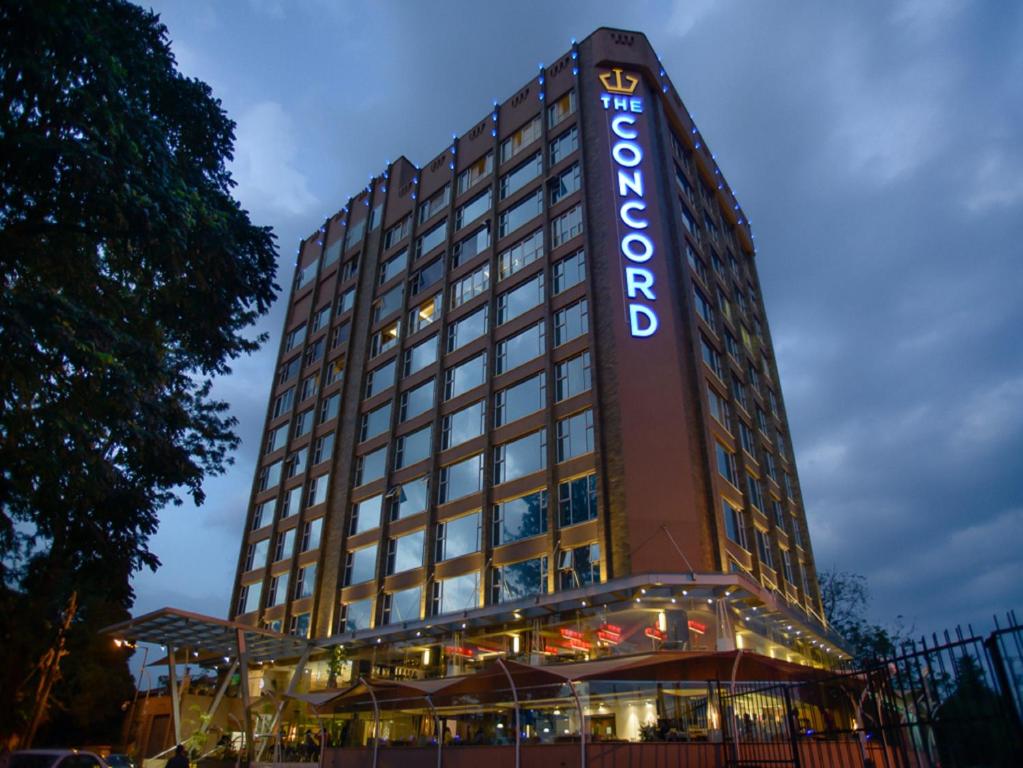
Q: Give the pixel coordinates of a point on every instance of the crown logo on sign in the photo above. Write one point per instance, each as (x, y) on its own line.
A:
(614, 83)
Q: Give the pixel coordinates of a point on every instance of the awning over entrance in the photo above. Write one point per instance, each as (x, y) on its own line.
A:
(206, 636)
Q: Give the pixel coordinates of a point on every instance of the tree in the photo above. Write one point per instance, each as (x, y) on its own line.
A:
(130, 276)
(845, 597)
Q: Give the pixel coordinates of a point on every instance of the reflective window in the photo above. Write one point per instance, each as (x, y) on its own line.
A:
(317, 490)
(386, 338)
(564, 145)
(469, 287)
(573, 376)
(366, 514)
(468, 328)
(461, 479)
(564, 184)
(421, 355)
(362, 565)
(577, 500)
(263, 513)
(305, 583)
(285, 545)
(520, 518)
(413, 447)
(417, 400)
(570, 271)
(257, 554)
(575, 435)
(579, 567)
(519, 580)
(278, 590)
(567, 226)
(277, 438)
(311, 534)
(394, 266)
(459, 593)
(475, 172)
(433, 237)
(435, 204)
(425, 314)
(466, 376)
(397, 233)
(521, 348)
(292, 501)
(379, 379)
(459, 536)
(371, 466)
(389, 303)
(525, 251)
(251, 593)
(470, 247)
(427, 276)
(269, 476)
(521, 175)
(572, 321)
(346, 301)
(358, 615)
(523, 298)
(521, 213)
(560, 109)
(376, 422)
(726, 464)
(473, 209)
(410, 498)
(403, 606)
(520, 457)
(463, 425)
(521, 139)
(294, 338)
(522, 399)
(405, 552)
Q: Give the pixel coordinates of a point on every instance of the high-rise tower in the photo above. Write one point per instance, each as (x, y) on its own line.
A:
(527, 403)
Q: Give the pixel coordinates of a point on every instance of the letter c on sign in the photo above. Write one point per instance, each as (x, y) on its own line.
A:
(625, 133)
(626, 213)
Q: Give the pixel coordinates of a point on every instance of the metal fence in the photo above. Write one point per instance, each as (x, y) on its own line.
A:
(949, 702)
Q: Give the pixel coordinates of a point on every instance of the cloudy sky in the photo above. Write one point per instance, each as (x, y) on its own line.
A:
(877, 148)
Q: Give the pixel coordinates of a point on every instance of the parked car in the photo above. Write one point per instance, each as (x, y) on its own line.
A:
(56, 758)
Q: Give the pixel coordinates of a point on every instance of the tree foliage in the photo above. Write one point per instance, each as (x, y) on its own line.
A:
(129, 278)
(846, 598)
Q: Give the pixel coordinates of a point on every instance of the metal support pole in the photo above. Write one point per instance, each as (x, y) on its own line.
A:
(295, 677)
(376, 719)
(515, 698)
(436, 727)
(218, 697)
(243, 663)
(172, 679)
(582, 725)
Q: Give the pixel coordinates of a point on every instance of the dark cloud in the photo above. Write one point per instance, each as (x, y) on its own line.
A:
(875, 146)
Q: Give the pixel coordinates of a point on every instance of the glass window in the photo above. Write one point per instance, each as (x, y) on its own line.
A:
(251, 593)
(572, 321)
(357, 615)
(322, 317)
(718, 407)
(366, 514)
(329, 407)
(726, 464)
(300, 624)
(735, 524)
(362, 565)
(389, 303)
(257, 554)
(332, 253)
(573, 376)
(579, 567)
(461, 479)
(380, 379)
(278, 590)
(703, 307)
(303, 422)
(410, 498)
(565, 183)
(306, 275)
(354, 233)
(575, 435)
(371, 466)
(263, 514)
(521, 175)
(350, 268)
(520, 457)
(564, 145)
(429, 275)
(521, 299)
(470, 247)
(306, 582)
(459, 536)
(521, 213)
(403, 606)
(435, 204)
(712, 358)
(475, 172)
(425, 314)
(346, 301)
(522, 399)
(417, 400)
(468, 328)
(397, 233)
(520, 518)
(405, 552)
(577, 500)
(285, 545)
(376, 422)
(470, 286)
(294, 338)
(421, 355)
(314, 351)
(292, 502)
(466, 376)
(289, 370)
(560, 109)
(317, 490)
(433, 237)
(521, 139)
(473, 209)
(324, 448)
(764, 548)
(311, 534)
(521, 348)
(376, 216)
(394, 266)
(746, 438)
(277, 438)
(525, 251)
(459, 593)
(386, 338)
(335, 371)
(570, 271)
(464, 425)
(296, 463)
(566, 226)
(283, 403)
(308, 387)
(756, 498)
(413, 447)
(520, 580)
(269, 476)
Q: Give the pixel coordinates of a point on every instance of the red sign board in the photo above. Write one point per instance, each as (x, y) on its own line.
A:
(611, 634)
(455, 650)
(654, 632)
(697, 626)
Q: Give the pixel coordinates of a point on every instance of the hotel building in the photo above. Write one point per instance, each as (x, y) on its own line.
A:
(526, 403)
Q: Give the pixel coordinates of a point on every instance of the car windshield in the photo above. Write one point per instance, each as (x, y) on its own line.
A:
(119, 761)
(32, 760)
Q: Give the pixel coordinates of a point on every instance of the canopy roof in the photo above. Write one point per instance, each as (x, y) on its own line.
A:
(207, 636)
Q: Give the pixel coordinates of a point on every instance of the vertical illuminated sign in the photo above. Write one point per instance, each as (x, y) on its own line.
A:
(635, 247)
